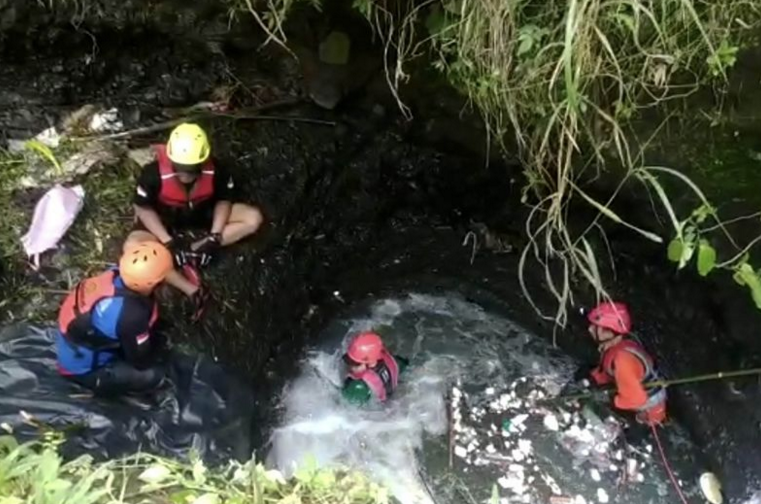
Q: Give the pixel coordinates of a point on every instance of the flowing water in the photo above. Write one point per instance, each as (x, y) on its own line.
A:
(468, 423)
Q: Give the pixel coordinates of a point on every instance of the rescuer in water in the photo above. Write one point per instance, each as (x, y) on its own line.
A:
(372, 371)
(187, 192)
(625, 363)
(106, 337)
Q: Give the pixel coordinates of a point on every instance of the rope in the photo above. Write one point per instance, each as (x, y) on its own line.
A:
(666, 464)
(658, 383)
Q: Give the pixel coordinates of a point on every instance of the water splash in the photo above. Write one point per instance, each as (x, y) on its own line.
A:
(448, 340)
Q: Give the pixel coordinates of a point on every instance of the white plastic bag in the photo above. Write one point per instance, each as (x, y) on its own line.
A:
(53, 215)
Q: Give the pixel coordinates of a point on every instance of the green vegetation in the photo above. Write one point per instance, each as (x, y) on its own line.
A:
(35, 473)
(565, 79)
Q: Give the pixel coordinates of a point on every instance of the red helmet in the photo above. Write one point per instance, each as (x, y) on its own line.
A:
(366, 348)
(613, 316)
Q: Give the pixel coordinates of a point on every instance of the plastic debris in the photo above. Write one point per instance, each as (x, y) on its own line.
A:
(54, 214)
(49, 137)
(594, 474)
(551, 422)
(602, 496)
(106, 121)
(711, 488)
(460, 451)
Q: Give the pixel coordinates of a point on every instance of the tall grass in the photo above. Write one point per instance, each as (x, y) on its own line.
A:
(564, 78)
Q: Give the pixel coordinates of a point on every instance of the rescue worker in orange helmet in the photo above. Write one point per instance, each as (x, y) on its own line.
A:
(105, 339)
(372, 371)
(186, 191)
(625, 363)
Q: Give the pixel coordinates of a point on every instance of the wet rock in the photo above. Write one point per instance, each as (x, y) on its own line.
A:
(142, 156)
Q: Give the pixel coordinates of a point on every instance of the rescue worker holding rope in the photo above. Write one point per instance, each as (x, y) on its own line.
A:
(186, 190)
(106, 337)
(372, 371)
(625, 363)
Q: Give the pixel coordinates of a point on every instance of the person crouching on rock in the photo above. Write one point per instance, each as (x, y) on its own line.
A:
(372, 371)
(187, 191)
(105, 339)
(626, 363)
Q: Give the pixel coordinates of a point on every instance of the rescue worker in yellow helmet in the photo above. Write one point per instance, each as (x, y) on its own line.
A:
(105, 339)
(186, 191)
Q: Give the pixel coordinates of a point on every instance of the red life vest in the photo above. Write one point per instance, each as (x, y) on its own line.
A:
(173, 193)
(655, 395)
(75, 313)
(381, 379)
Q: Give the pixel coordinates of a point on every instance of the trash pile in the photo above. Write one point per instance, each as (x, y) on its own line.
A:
(543, 452)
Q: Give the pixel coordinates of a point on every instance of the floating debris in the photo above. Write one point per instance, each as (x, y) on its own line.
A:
(551, 422)
(594, 474)
(602, 496)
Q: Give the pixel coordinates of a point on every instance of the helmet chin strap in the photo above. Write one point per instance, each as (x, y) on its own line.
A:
(604, 344)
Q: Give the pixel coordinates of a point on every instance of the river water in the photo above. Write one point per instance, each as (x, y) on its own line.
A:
(468, 423)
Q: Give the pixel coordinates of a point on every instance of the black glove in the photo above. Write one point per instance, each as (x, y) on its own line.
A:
(178, 251)
(208, 250)
(584, 372)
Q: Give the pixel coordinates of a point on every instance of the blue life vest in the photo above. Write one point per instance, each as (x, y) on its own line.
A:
(87, 337)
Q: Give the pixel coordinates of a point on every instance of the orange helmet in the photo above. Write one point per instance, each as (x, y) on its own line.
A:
(366, 348)
(144, 266)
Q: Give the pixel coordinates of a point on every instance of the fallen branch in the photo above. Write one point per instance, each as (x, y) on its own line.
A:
(250, 114)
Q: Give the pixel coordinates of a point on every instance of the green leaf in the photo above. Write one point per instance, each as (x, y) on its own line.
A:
(44, 151)
(155, 474)
(324, 480)
(701, 213)
(182, 497)
(334, 50)
(494, 495)
(706, 258)
(675, 250)
(436, 21)
(199, 472)
(48, 468)
(207, 498)
(525, 46)
(745, 275)
(688, 246)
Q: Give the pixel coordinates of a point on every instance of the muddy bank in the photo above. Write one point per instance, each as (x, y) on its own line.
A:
(375, 204)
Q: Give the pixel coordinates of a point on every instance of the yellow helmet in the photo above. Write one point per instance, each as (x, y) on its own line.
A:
(188, 145)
